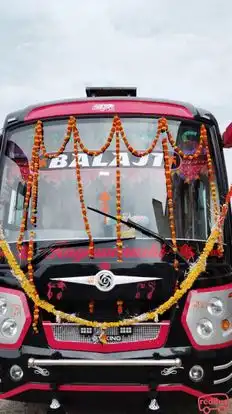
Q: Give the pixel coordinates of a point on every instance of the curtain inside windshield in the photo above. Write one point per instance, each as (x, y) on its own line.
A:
(143, 185)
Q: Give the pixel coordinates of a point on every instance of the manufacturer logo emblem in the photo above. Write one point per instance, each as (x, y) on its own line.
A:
(105, 280)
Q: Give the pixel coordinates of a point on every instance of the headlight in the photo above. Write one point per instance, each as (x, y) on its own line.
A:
(205, 328)
(3, 305)
(9, 328)
(215, 307)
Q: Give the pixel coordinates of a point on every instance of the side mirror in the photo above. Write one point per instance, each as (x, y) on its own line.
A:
(227, 137)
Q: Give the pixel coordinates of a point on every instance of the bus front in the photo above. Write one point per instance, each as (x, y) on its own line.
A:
(106, 202)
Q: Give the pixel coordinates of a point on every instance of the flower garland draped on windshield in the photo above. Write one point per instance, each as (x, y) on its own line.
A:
(195, 270)
(117, 130)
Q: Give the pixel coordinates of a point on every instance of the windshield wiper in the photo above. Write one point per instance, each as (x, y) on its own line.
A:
(143, 230)
(69, 243)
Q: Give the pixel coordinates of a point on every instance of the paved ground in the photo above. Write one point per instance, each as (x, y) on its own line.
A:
(18, 408)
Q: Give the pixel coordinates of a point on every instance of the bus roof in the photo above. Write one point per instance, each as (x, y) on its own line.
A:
(100, 101)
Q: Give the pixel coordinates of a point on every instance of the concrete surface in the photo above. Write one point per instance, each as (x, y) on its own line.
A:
(7, 407)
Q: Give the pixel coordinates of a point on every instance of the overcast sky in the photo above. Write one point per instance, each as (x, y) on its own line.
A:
(52, 49)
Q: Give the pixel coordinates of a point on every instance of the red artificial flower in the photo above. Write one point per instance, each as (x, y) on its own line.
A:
(187, 251)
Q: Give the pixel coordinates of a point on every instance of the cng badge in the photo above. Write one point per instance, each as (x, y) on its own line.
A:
(103, 338)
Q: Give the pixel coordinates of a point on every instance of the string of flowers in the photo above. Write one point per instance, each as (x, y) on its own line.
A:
(168, 176)
(32, 192)
(178, 150)
(119, 243)
(118, 130)
(213, 188)
(81, 194)
(195, 270)
(116, 127)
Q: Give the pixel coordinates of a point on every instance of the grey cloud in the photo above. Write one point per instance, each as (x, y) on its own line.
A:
(176, 50)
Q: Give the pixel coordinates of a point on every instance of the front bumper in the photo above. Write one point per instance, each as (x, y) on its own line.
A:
(71, 375)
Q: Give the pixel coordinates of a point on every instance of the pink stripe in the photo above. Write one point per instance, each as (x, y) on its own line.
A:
(180, 388)
(100, 388)
(119, 107)
(24, 388)
(104, 388)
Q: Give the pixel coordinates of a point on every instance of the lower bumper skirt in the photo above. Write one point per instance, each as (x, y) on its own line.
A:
(133, 388)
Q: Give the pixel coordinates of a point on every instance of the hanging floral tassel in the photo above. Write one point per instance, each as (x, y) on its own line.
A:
(81, 194)
(120, 307)
(213, 187)
(91, 307)
(31, 279)
(168, 177)
(119, 243)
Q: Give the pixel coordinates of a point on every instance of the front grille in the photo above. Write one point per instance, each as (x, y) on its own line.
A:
(68, 332)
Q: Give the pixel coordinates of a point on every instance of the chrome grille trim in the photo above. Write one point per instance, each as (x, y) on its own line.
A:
(222, 380)
(224, 366)
(68, 332)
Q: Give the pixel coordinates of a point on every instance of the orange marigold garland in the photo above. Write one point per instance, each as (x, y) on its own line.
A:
(136, 153)
(202, 144)
(31, 278)
(182, 154)
(32, 183)
(71, 123)
(119, 243)
(78, 141)
(168, 176)
(32, 193)
(104, 147)
(213, 187)
(81, 193)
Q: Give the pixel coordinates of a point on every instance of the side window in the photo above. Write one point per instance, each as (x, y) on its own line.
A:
(16, 206)
(19, 203)
(193, 208)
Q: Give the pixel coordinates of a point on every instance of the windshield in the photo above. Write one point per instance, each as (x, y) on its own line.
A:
(143, 185)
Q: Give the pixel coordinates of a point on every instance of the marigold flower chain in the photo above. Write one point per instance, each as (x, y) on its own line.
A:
(116, 130)
(119, 243)
(32, 185)
(178, 150)
(81, 196)
(196, 269)
(168, 176)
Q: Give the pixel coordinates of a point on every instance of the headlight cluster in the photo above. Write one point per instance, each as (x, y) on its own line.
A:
(205, 327)
(204, 317)
(8, 327)
(15, 317)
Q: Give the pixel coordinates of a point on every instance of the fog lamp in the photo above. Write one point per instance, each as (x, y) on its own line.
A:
(196, 373)
(16, 373)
